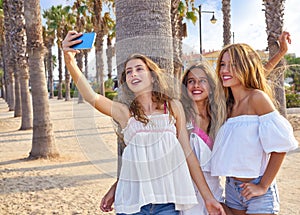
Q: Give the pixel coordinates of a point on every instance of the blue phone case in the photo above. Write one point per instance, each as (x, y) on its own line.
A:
(88, 40)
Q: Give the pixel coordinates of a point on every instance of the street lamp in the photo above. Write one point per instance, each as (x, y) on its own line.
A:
(213, 20)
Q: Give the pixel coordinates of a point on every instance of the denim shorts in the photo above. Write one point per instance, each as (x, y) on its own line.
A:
(264, 204)
(157, 209)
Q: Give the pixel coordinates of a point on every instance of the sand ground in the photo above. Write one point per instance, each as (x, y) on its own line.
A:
(75, 183)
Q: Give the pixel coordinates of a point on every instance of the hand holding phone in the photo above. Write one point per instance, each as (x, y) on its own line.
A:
(88, 40)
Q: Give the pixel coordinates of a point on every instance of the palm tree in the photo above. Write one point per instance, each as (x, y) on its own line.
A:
(143, 27)
(2, 80)
(226, 22)
(43, 142)
(48, 38)
(8, 60)
(179, 11)
(79, 9)
(88, 28)
(101, 29)
(19, 51)
(176, 20)
(57, 16)
(274, 11)
(69, 22)
(110, 51)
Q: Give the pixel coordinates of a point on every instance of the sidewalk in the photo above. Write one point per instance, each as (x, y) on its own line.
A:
(72, 184)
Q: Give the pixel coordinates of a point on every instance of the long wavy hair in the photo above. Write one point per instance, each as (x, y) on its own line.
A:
(160, 91)
(248, 68)
(215, 107)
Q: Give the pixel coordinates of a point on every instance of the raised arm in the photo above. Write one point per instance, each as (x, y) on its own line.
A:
(212, 205)
(104, 105)
(284, 39)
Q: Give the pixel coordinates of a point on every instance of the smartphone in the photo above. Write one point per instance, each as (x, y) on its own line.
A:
(88, 40)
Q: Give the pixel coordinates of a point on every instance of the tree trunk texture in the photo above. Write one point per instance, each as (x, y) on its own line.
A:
(143, 27)
(99, 29)
(109, 55)
(43, 142)
(50, 70)
(67, 85)
(86, 64)
(9, 63)
(177, 34)
(19, 49)
(79, 57)
(274, 19)
(226, 22)
(60, 80)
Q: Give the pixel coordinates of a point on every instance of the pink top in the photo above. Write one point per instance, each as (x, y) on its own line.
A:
(208, 141)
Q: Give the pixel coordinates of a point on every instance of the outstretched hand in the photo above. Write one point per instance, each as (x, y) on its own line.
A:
(69, 41)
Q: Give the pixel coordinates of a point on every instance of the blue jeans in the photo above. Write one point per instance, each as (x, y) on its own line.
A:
(264, 204)
(156, 209)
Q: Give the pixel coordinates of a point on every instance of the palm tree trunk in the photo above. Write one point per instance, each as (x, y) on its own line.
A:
(50, 70)
(99, 29)
(43, 142)
(9, 64)
(86, 66)
(226, 22)
(67, 85)
(109, 55)
(18, 105)
(143, 27)
(79, 61)
(177, 34)
(274, 11)
(19, 48)
(59, 88)
(14, 10)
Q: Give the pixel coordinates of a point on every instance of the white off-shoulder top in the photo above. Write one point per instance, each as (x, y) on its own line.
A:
(244, 143)
(154, 168)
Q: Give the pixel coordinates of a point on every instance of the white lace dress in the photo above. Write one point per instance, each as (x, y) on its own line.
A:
(154, 168)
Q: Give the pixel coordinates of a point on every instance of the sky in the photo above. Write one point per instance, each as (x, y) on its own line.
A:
(247, 24)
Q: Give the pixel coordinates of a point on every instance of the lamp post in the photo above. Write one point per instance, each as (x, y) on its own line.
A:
(213, 20)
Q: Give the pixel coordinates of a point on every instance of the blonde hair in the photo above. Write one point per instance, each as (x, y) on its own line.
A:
(247, 67)
(216, 106)
(160, 91)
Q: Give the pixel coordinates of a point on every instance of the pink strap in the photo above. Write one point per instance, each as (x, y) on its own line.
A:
(165, 107)
(203, 136)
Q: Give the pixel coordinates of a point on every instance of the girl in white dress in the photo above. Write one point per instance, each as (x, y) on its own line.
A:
(251, 145)
(156, 161)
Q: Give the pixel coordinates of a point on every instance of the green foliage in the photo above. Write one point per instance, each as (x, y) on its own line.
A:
(111, 94)
(293, 71)
(292, 100)
(109, 84)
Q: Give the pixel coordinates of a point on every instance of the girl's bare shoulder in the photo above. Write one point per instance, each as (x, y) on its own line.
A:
(260, 102)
